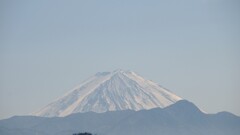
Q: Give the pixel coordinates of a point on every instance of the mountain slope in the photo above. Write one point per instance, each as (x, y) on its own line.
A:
(181, 118)
(111, 91)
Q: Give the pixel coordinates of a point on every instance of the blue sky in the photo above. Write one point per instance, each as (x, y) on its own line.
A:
(191, 47)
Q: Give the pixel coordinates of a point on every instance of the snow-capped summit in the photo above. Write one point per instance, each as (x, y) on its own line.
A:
(111, 91)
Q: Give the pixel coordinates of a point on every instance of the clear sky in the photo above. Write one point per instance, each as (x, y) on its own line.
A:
(191, 47)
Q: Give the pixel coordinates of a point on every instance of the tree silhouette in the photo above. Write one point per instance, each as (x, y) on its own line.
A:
(86, 133)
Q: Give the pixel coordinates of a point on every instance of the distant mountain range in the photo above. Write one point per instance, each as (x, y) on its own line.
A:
(121, 103)
(181, 118)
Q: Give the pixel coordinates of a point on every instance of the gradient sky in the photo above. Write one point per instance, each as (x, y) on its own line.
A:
(191, 47)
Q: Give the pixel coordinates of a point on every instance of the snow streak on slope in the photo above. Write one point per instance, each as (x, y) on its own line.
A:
(111, 91)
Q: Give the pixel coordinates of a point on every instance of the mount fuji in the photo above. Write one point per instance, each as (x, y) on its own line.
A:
(121, 103)
(111, 91)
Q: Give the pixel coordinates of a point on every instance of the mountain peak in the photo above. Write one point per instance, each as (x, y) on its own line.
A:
(184, 103)
(117, 71)
(111, 91)
(121, 71)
